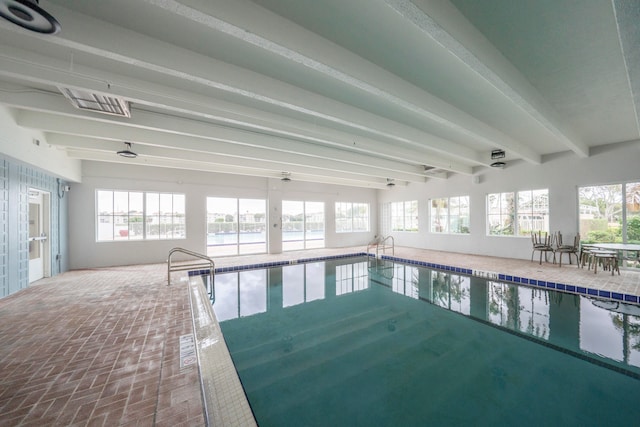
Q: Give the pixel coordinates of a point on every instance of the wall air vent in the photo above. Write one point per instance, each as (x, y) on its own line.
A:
(99, 103)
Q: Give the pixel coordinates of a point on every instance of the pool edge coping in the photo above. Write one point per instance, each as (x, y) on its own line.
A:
(227, 364)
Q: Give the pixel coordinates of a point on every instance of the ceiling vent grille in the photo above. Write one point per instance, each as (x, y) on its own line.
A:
(432, 172)
(97, 102)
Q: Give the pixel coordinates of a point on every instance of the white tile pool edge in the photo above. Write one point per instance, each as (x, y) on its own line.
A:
(229, 406)
(225, 403)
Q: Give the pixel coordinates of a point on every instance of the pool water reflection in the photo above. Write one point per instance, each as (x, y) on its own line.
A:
(356, 342)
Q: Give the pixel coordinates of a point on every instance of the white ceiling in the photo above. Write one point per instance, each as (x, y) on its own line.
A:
(353, 92)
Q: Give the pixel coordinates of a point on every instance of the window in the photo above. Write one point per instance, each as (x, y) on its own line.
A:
(164, 215)
(450, 215)
(236, 226)
(352, 217)
(404, 216)
(533, 211)
(133, 215)
(302, 225)
(610, 213)
(518, 214)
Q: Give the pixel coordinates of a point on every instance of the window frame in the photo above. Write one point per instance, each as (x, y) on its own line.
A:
(511, 216)
(177, 216)
(350, 220)
(628, 214)
(448, 217)
(401, 213)
(234, 241)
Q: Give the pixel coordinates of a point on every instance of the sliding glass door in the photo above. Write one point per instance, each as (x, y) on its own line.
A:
(236, 226)
(302, 225)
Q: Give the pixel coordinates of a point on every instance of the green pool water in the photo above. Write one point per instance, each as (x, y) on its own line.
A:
(356, 343)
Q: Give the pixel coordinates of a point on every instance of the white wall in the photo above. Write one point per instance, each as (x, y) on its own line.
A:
(562, 174)
(85, 252)
(31, 147)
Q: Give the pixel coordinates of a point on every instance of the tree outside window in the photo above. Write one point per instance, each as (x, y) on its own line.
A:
(610, 213)
(518, 214)
(450, 215)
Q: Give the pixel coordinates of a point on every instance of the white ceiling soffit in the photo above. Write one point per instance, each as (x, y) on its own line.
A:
(353, 93)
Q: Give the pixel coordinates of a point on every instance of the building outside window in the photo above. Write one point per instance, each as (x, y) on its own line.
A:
(236, 226)
(302, 225)
(136, 215)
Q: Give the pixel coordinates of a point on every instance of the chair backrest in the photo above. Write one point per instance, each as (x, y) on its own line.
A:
(538, 239)
(576, 241)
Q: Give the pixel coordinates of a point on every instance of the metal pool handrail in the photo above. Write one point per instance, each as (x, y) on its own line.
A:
(203, 262)
(382, 244)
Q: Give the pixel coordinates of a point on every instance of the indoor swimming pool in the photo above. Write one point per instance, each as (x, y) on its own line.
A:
(355, 342)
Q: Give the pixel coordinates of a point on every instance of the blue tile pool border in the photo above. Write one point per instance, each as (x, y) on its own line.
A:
(490, 275)
(562, 287)
(274, 264)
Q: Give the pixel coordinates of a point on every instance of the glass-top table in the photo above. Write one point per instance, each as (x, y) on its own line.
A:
(622, 249)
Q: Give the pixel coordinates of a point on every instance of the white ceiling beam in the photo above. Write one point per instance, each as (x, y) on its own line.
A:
(443, 23)
(627, 14)
(302, 47)
(42, 70)
(225, 169)
(88, 35)
(275, 165)
(106, 131)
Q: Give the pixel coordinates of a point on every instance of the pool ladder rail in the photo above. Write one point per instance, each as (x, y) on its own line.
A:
(202, 262)
(382, 243)
(377, 264)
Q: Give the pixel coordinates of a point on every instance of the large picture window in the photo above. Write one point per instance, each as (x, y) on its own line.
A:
(136, 215)
(518, 214)
(352, 217)
(450, 215)
(610, 213)
(404, 216)
(236, 226)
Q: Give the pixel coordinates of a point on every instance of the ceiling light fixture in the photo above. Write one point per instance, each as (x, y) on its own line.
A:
(28, 15)
(127, 152)
(285, 177)
(390, 183)
(499, 165)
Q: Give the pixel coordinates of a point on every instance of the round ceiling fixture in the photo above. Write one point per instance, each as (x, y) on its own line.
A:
(499, 165)
(27, 14)
(390, 183)
(127, 152)
(285, 177)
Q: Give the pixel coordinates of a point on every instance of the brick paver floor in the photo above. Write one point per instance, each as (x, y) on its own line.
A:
(98, 347)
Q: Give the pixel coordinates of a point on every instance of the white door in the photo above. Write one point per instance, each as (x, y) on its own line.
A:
(38, 234)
